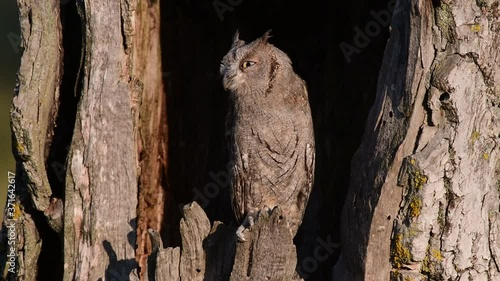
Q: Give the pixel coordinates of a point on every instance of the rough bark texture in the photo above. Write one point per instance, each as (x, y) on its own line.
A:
(90, 141)
(33, 113)
(101, 180)
(86, 120)
(424, 198)
(213, 254)
(151, 124)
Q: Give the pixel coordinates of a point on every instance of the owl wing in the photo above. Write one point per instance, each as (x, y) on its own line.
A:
(263, 166)
(278, 157)
(274, 165)
(283, 162)
(289, 149)
(237, 169)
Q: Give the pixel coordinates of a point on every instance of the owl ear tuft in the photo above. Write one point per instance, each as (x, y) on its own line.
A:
(236, 40)
(266, 36)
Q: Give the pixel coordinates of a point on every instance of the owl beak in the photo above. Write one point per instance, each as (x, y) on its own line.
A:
(222, 68)
(227, 80)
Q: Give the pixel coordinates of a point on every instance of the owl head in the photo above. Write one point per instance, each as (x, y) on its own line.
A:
(253, 66)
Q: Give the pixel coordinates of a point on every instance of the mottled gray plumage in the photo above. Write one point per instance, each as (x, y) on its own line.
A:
(270, 131)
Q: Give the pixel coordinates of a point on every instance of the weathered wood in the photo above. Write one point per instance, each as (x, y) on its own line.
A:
(220, 246)
(101, 180)
(33, 112)
(214, 255)
(372, 200)
(195, 227)
(269, 254)
(35, 104)
(162, 264)
(118, 80)
(168, 267)
(28, 239)
(142, 21)
(424, 183)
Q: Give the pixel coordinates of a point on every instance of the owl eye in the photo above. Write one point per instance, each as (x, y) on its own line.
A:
(247, 64)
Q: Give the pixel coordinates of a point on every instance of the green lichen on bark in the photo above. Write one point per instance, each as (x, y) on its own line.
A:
(446, 22)
(432, 263)
(412, 179)
(400, 252)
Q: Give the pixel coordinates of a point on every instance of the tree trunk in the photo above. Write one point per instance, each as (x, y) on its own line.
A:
(86, 121)
(89, 129)
(95, 173)
(423, 202)
(212, 253)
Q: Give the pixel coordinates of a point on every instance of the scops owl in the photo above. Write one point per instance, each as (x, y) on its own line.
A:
(270, 133)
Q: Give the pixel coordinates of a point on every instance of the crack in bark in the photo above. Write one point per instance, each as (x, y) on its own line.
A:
(490, 242)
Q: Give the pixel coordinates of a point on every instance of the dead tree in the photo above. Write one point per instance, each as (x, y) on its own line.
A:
(88, 104)
(423, 202)
(212, 252)
(95, 169)
(89, 130)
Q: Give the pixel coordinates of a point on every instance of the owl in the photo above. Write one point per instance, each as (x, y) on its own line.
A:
(270, 133)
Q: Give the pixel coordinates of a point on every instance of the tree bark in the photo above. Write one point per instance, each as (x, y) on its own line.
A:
(96, 201)
(423, 202)
(94, 171)
(104, 90)
(212, 253)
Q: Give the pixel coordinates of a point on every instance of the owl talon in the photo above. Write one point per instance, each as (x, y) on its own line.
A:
(239, 234)
(265, 212)
(247, 224)
(251, 222)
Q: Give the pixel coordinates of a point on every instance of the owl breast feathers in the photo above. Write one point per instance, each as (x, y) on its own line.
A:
(269, 130)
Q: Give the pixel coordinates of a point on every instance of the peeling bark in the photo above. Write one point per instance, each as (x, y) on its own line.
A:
(214, 254)
(90, 139)
(150, 128)
(33, 115)
(101, 192)
(85, 198)
(424, 188)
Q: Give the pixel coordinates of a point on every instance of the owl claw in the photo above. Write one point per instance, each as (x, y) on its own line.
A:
(250, 220)
(239, 234)
(247, 224)
(265, 212)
